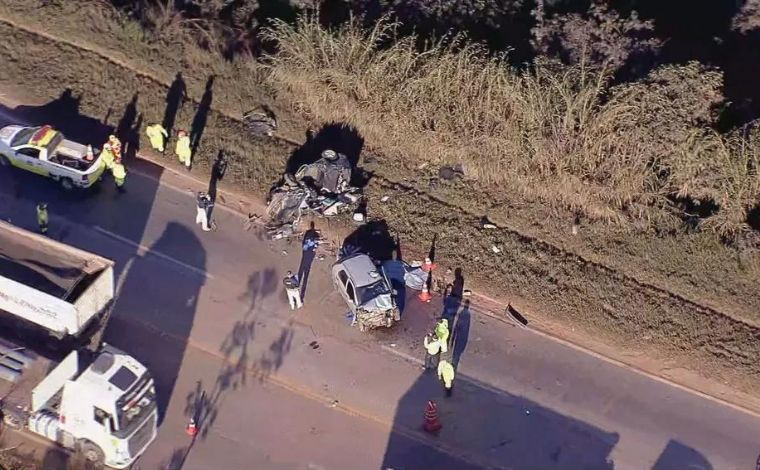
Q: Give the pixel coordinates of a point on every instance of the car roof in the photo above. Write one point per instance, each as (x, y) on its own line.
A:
(360, 269)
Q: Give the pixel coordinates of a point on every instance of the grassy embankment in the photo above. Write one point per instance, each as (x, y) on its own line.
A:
(680, 295)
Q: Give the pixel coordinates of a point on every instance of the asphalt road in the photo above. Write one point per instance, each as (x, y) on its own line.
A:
(207, 314)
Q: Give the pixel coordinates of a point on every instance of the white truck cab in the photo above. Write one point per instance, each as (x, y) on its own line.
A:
(56, 377)
(44, 151)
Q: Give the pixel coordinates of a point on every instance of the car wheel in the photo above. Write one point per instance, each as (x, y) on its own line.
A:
(4, 161)
(92, 452)
(67, 184)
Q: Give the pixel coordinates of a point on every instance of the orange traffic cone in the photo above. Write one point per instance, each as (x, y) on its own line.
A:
(428, 265)
(191, 428)
(432, 423)
(425, 294)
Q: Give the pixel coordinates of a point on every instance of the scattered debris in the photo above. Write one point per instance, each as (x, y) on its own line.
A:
(260, 121)
(384, 198)
(487, 224)
(496, 249)
(250, 220)
(285, 252)
(320, 188)
(466, 293)
(514, 314)
(451, 172)
(314, 345)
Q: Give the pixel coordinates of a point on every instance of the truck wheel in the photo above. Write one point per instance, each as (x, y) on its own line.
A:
(13, 420)
(92, 452)
(4, 161)
(67, 184)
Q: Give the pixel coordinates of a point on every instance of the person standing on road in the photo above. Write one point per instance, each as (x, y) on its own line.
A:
(157, 136)
(42, 217)
(204, 203)
(293, 290)
(432, 350)
(446, 373)
(442, 333)
(107, 156)
(183, 151)
(119, 172)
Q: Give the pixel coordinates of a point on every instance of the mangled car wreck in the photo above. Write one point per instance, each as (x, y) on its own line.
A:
(367, 291)
(321, 188)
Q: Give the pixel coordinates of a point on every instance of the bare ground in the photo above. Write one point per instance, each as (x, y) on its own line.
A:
(681, 298)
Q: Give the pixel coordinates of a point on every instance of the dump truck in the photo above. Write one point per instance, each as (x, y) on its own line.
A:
(45, 151)
(57, 379)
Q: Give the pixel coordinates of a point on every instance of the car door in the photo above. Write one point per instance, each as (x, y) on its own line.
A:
(28, 158)
(345, 287)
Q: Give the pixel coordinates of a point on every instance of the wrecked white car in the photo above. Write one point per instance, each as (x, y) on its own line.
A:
(367, 291)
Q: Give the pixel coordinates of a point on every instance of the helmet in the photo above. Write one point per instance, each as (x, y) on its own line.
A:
(112, 138)
(329, 154)
(42, 205)
(107, 146)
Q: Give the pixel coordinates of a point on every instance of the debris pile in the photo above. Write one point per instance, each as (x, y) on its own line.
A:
(321, 188)
(260, 121)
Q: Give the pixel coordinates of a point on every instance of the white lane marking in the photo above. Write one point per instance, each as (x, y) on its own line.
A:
(143, 250)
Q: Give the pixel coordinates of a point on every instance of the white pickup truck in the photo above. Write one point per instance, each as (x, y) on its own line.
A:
(45, 151)
(94, 399)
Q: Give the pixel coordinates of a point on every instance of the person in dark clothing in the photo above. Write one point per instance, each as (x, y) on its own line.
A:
(293, 290)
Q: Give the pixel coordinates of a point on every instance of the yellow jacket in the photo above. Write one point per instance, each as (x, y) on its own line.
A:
(118, 171)
(183, 148)
(446, 372)
(432, 347)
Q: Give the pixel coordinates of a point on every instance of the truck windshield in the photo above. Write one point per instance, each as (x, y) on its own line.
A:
(134, 405)
(22, 137)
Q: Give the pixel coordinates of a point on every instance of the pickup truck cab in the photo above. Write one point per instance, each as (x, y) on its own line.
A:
(45, 151)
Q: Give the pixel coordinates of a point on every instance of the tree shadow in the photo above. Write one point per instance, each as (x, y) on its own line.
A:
(205, 402)
(175, 97)
(201, 116)
(677, 455)
(161, 342)
(493, 428)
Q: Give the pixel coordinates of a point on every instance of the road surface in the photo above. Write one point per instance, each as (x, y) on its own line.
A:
(206, 313)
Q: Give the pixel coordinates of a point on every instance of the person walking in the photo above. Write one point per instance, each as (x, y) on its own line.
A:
(432, 350)
(119, 172)
(157, 136)
(442, 333)
(42, 217)
(293, 290)
(204, 203)
(183, 151)
(446, 373)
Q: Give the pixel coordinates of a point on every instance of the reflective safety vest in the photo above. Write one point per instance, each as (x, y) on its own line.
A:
(442, 332)
(156, 134)
(183, 148)
(42, 216)
(119, 171)
(432, 347)
(446, 372)
(108, 158)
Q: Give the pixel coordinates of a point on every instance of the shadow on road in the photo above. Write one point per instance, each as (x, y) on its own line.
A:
(504, 429)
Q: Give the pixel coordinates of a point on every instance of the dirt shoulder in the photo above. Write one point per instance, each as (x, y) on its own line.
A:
(572, 287)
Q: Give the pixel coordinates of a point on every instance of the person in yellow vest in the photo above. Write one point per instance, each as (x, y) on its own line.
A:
(183, 148)
(42, 217)
(116, 149)
(442, 332)
(446, 373)
(157, 135)
(119, 172)
(432, 349)
(113, 140)
(107, 155)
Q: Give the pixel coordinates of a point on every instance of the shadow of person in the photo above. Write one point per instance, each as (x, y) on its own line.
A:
(460, 334)
(453, 299)
(126, 123)
(132, 140)
(218, 170)
(174, 98)
(156, 307)
(677, 455)
(308, 252)
(201, 116)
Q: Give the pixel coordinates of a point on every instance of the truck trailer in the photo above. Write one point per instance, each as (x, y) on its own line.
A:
(82, 394)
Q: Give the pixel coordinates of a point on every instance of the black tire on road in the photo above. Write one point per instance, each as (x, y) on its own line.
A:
(67, 184)
(92, 453)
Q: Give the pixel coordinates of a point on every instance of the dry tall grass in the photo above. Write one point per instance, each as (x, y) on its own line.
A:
(557, 133)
